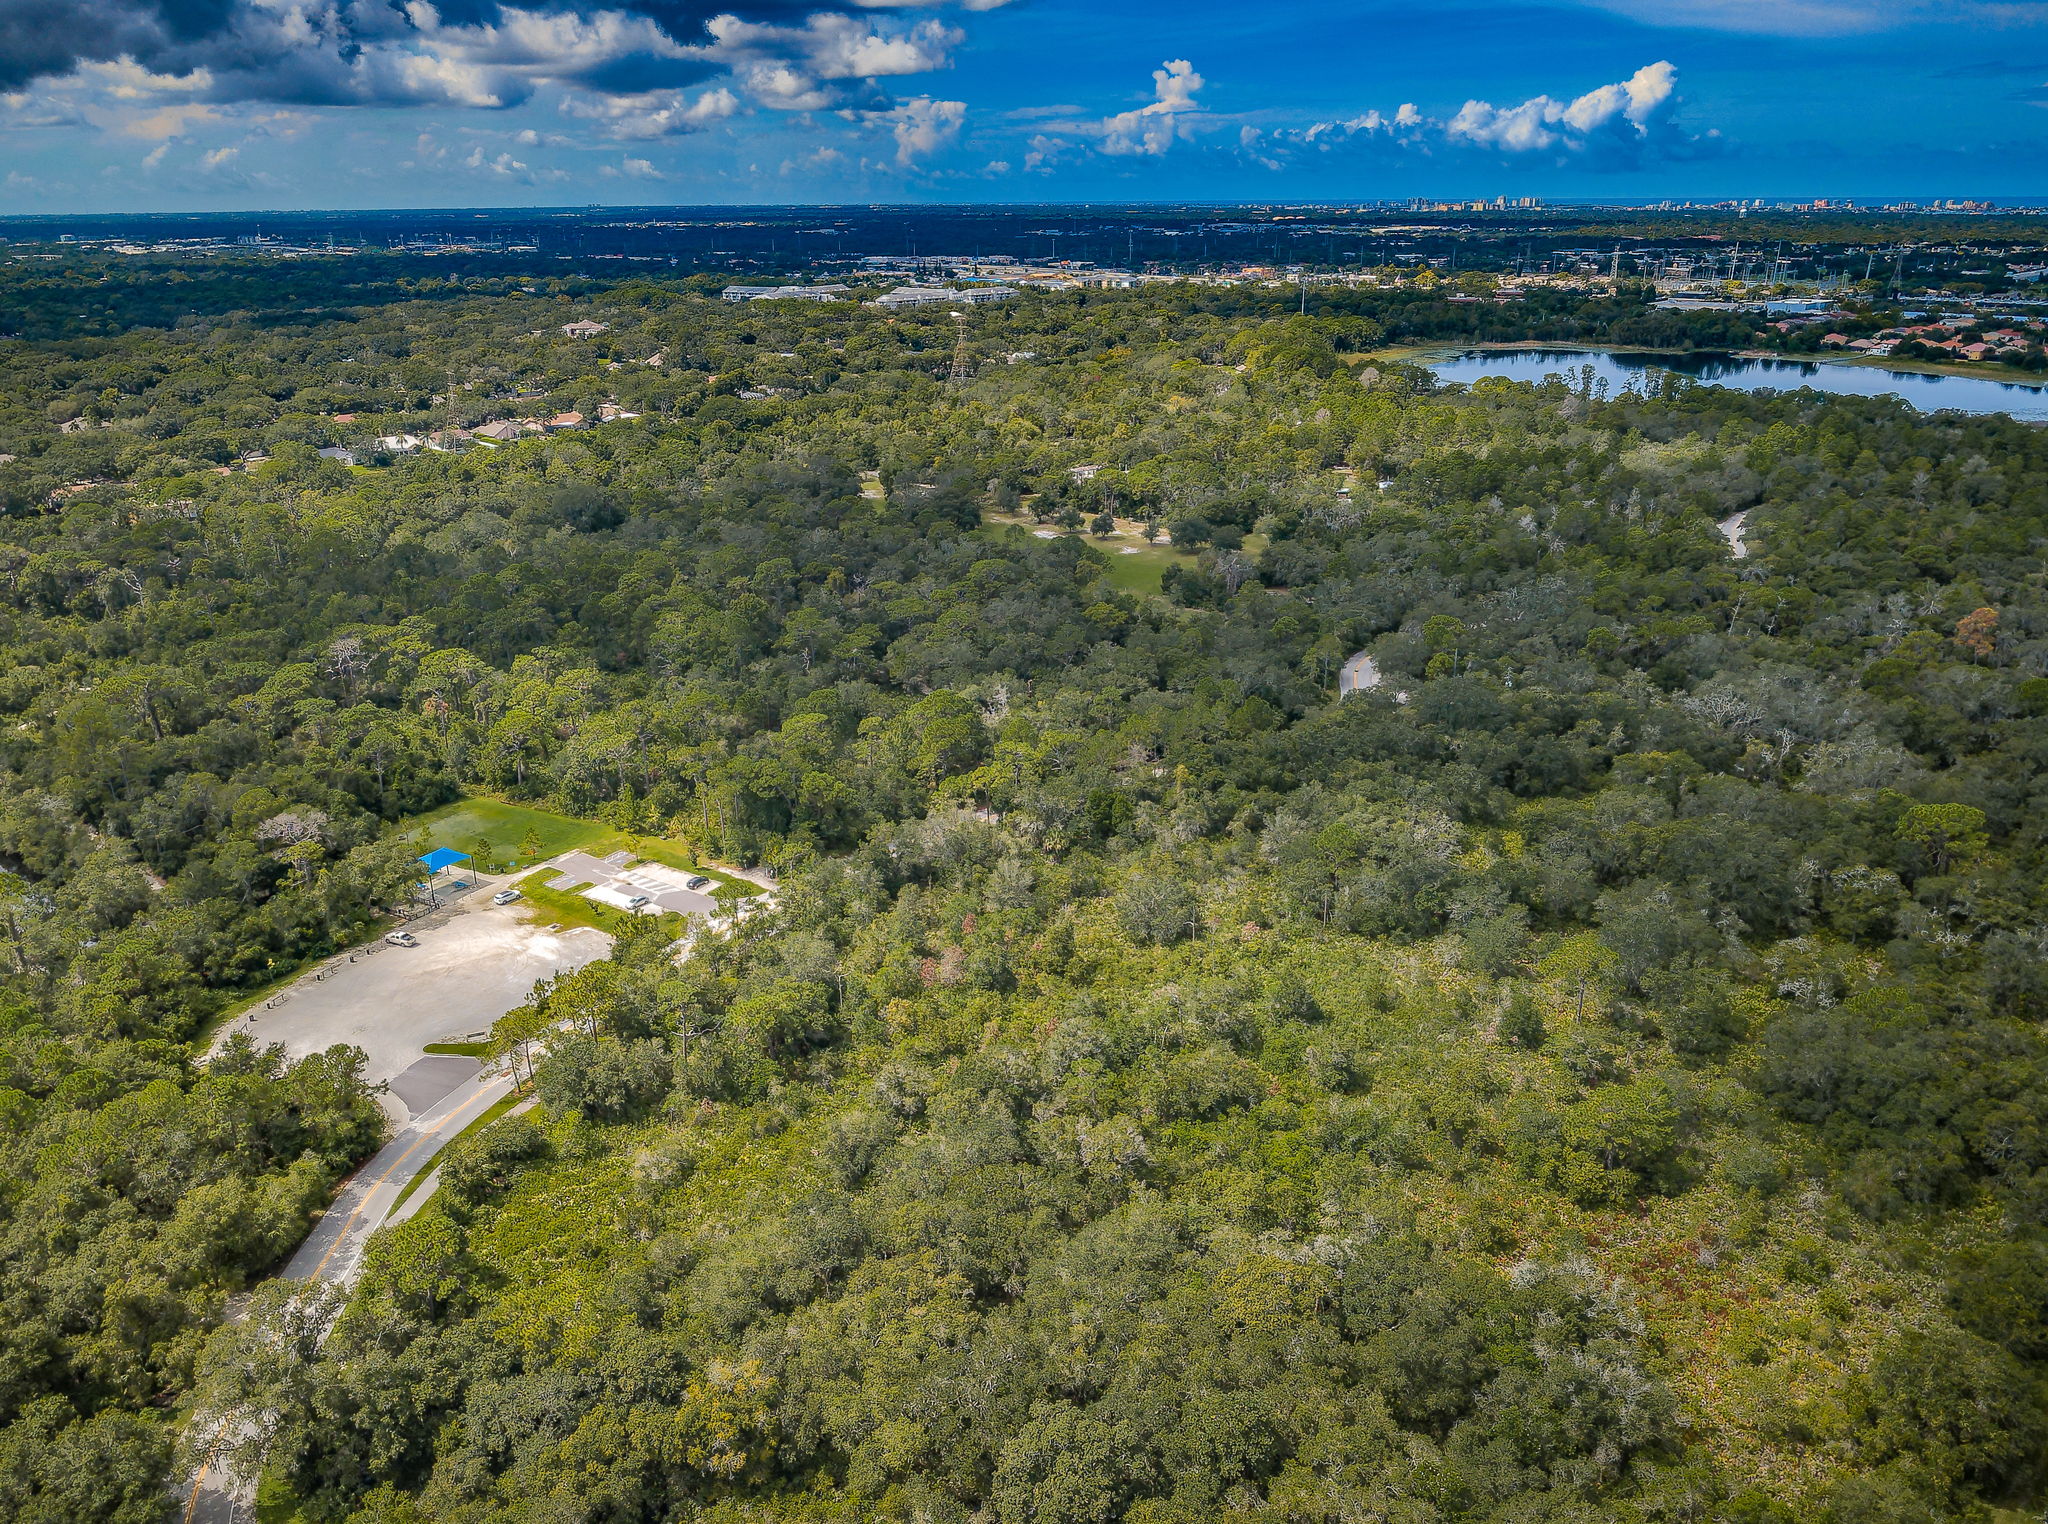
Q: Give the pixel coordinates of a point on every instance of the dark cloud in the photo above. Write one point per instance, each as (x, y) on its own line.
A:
(341, 52)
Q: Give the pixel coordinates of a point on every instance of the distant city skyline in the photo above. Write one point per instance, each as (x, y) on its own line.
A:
(167, 105)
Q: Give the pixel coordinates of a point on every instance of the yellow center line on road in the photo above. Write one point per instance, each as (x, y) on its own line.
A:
(341, 1236)
(206, 1467)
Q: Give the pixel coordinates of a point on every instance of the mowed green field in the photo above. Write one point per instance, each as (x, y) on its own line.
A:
(1141, 570)
(505, 826)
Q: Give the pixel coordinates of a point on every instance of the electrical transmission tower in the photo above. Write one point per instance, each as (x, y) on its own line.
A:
(958, 375)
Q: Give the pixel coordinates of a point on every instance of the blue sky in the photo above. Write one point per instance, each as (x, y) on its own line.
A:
(224, 104)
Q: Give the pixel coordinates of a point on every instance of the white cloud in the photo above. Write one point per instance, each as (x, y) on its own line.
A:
(632, 169)
(923, 126)
(1620, 125)
(164, 123)
(1542, 123)
(824, 157)
(219, 158)
(830, 62)
(1153, 128)
(655, 114)
(503, 165)
(1044, 151)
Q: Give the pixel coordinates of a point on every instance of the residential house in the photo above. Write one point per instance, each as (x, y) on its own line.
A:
(398, 444)
(562, 421)
(583, 328)
(502, 432)
(336, 452)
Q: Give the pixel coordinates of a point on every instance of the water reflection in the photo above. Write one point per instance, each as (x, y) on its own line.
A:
(1619, 368)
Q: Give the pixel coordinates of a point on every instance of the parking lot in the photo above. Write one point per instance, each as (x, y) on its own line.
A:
(474, 962)
(665, 888)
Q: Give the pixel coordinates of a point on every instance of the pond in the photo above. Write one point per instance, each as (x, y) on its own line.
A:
(1619, 368)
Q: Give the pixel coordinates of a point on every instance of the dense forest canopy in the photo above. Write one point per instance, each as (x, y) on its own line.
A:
(1596, 1073)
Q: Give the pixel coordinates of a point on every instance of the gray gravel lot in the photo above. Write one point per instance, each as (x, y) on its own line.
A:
(474, 962)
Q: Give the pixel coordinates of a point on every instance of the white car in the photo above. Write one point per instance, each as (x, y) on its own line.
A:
(505, 896)
(636, 902)
(401, 939)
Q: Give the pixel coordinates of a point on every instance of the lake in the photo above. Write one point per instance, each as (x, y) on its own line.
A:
(1619, 368)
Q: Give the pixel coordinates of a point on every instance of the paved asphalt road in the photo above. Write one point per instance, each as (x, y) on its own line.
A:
(475, 962)
(1731, 531)
(333, 1251)
(1361, 674)
(1357, 675)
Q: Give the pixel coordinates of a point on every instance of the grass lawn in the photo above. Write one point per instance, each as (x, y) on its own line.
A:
(552, 898)
(505, 826)
(476, 1050)
(1141, 573)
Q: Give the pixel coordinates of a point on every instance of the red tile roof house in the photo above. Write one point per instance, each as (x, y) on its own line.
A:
(1834, 340)
(567, 421)
(1977, 351)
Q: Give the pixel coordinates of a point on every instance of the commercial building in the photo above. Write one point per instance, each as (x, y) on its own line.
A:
(783, 293)
(926, 296)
